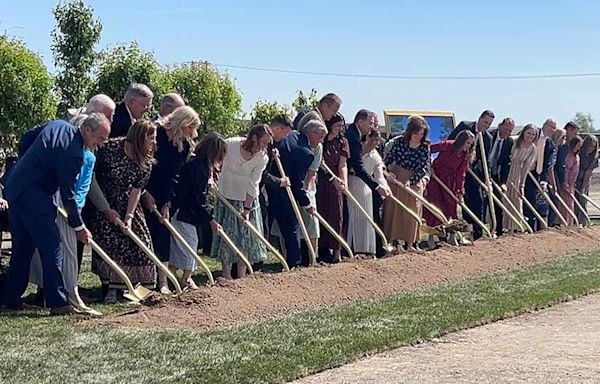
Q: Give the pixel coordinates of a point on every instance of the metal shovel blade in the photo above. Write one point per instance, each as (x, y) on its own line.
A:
(139, 293)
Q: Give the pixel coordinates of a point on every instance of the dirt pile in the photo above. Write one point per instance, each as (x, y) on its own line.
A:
(265, 296)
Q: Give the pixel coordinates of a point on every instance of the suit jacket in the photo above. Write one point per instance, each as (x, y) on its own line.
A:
(549, 152)
(122, 121)
(296, 156)
(51, 163)
(29, 137)
(504, 159)
(355, 163)
(476, 165)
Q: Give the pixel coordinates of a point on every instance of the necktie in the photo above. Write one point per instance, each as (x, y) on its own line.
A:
(540, 155)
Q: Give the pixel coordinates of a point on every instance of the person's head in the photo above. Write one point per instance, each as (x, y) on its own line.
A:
(571, 129)
(375, 120)
(364, 121)
(526, 136)
(506, 127)
(558, 137)
(281, 126)
(549, 127)
(183, 125)
(95, 130)
(258, 138)
(590, 146)
(169, 103)
(213, 148)
(464, 142)
(335, 125)
(142, 140)
(329, 105)
(417, 130)
(371, 141)
(138, 99)
(485, 120)
(101, 103)
(575, 144)
(315, 131)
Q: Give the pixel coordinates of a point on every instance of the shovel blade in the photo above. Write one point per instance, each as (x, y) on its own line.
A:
(139, 293)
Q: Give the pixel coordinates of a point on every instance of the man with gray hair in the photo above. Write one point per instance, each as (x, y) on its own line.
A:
(169, 103)
(137, 101)
(103, 104)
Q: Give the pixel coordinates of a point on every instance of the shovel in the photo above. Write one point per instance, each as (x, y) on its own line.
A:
(488, 185)
(530, 206)
(512, 206)
(548, 199)
(580, 207)
(135, 294)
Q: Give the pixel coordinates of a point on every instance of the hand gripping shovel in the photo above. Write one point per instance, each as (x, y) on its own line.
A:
(135, 294)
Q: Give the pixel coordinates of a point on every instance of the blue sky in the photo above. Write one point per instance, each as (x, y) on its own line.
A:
(439, 38)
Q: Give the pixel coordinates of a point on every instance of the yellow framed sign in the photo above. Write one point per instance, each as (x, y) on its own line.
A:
(440, 123)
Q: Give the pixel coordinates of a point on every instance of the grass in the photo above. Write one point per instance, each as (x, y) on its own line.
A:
(36, 349)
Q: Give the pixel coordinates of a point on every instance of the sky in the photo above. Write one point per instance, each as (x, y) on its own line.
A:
(377, 37)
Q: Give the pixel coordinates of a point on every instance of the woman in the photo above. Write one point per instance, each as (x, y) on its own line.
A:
(193, 212)
(361, 235)
(123, 167)
(409, 162)
(522, 156)
(242, 168)
(454, 157)
(572, 164)
(588, 161)
(331, 200)
(174, 139)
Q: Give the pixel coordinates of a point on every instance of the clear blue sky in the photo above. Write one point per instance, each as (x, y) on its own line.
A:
(366, 37)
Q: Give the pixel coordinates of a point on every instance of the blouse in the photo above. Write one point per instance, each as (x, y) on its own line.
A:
(417, 160)
(239, 176)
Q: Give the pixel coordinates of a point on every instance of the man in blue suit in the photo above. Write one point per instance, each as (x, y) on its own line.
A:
(295, 152)
(51, 163)
(475, 197)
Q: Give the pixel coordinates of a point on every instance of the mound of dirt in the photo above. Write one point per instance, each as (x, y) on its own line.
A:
(262, 296)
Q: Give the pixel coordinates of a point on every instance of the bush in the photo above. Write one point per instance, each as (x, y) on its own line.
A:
(264, 112)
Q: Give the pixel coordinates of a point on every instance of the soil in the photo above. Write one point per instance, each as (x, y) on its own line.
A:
(268, 295)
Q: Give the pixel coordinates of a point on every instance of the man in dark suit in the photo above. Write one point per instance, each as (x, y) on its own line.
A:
(474, 197)
(295, 152)
(51, 163)
(137, 101)
(502, 144)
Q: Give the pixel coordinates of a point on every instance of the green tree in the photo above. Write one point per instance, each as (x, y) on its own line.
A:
(264, 112)
(73, 40)
(305, 102)
(585, 122)
(126, 64)
(26, 98)
(212, 94)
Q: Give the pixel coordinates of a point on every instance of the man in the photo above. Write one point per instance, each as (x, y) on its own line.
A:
(474, 194)
(51, 164)
(502, 144)
(169, 103)
(571, 131)
(328, 106)
(137, 101)
(295, 152)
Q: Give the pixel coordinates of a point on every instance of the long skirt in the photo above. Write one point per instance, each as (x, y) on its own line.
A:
(397, 223)
(568, 199)
(331, 209)
(441, 199)
(361, 235)
(247, 242)
(179, 257)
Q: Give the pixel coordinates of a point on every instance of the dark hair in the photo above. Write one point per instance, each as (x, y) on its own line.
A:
(521, 137)
(487, 112)
(372, 134)
(415, 123)
(212, 147)
(9, 163)
(587, 142)
(572, 124)
(506, 120)
(363, 114)
(282, 120)
(330, 98)
(573, 142)
(460, 141)
(256, 133)
(335, 119)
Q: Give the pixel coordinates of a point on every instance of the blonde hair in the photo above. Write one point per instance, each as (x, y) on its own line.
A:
(558, 135)
(184, 116)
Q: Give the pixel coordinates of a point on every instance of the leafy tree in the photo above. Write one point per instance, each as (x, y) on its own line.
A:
(305, 102)
(264, 112)
(212, 94)
(126, 64)
(26, 98)
(585, 122)
(73, 40)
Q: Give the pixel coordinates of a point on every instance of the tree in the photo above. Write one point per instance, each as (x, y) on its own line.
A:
(26, 98)
(585, 122)
(212, 94)
(73, 40)
(264, 112)
(126, 64)
(302, 102)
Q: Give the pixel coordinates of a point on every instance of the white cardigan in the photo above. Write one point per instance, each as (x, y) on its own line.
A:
(238, 176)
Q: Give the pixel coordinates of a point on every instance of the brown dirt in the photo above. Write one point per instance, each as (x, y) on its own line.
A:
(263, 296)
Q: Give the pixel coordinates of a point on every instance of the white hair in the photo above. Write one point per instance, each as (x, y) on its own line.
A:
(137, 91)
(95, 121)
(99, 103)
(78, 120)
(314, 125)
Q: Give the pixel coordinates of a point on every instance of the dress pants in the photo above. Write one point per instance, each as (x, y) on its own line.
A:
(475, 201)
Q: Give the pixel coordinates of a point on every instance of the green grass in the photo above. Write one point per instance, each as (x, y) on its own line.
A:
(36, 349)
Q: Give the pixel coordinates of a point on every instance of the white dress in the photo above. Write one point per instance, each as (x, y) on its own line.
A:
(361, 235)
